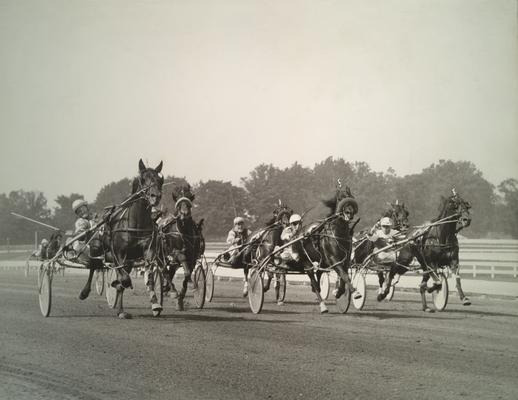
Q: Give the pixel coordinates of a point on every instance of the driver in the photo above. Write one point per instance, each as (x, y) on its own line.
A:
(289, 232)
(237, 236)
(84, 247)
(383, 235)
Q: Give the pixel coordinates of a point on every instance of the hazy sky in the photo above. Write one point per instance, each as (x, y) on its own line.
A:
(214, 88)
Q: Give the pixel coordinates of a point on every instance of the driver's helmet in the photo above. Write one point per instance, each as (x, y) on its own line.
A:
(295, 218)
(78, 203)
(386, 222)
(44, 242)
(239, 220)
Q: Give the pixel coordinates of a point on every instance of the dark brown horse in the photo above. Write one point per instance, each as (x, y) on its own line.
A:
(272, 238)
(181, 242)
(436, 246)
(129, 233)
(328, 244)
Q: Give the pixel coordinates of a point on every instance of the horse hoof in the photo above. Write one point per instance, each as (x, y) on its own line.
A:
(357, 295)
(280, 303)
(179, 305)
(339, 292)
(335, 291)
(466, 301)
(156, 309)
(380, 297)
(84, 294)
(428, 310)
(173, 294)
(124, 315)
(323, 308)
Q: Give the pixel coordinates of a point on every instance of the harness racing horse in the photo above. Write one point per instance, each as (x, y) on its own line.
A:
(398, 214)
(272, 238)
(183, 244)
(436, 246)
(328, 244)
(129, 234)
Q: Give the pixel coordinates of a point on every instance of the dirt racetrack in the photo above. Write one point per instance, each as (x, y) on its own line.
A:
(388, 350)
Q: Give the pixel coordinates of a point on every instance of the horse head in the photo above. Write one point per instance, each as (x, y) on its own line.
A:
(282, 213)
(461, 208)
(399, 215)
(151, 180)
(456, 207)
(183, 198)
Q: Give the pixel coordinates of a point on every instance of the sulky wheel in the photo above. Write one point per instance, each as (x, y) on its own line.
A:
(209, 284)
(110, 292)
(440, 297)
(325, 285)
(99, 281)
(255, 291)
(358, 281)
(45, 288)
(198, 277)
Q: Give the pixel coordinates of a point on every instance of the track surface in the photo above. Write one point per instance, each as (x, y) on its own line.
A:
(389, 350)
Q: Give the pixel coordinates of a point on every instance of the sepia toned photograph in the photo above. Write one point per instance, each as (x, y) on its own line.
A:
(258, 199)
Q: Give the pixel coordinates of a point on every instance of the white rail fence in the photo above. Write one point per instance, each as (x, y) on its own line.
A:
(477, 256)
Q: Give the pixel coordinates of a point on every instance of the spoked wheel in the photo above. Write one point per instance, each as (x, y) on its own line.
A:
(344, 301)
(158, 287)
(325, 286)
(110, 292)
(358, 281)
(440, 297)
(99, 281)
(209, 284)
(281, 291)
(255, 291)
(198, 277)
(45, 288)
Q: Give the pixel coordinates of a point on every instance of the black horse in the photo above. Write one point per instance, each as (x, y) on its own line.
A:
(130, 234)
(435, 247)
(328, 244)
(272, 238)
(181, 242)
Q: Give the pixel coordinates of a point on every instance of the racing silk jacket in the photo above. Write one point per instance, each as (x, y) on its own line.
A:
(380, 239)
(288, 233)
(237, 238)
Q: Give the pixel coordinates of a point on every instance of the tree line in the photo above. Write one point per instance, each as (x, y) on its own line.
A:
(494, 209)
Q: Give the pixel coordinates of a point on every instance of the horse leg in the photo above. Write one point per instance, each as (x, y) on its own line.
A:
(121, 313)
(277, 286)
(422, 290)
(183, 291)
(455, 268)
(156, 307)
(381, 279)
(316, 288)
(171, 271)
(245, 285)
(344, 280)
(269, 276)
(385, 288)
(85, 292)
